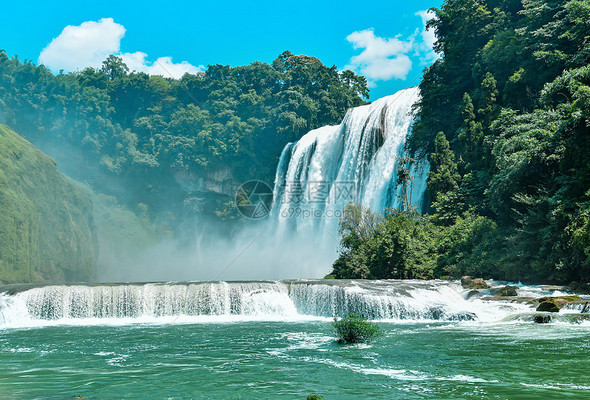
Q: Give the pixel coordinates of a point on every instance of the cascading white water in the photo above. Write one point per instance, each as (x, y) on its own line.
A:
(377, 300)
(354, 162)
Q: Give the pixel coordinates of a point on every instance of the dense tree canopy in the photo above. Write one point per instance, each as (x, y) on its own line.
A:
(153, 137)
(504, 120)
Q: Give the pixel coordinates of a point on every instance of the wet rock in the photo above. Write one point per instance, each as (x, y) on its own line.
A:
(548, 306)
(466, 280)
(509, 291)
(464, 316)
(542, 319)
(469, 282)
(563, 299)
(554, 304)
(472, 294)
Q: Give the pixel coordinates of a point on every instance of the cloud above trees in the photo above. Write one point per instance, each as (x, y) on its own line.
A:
(383, 59)
(90, 43)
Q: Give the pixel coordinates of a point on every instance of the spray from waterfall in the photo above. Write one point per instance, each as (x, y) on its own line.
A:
(357, 161)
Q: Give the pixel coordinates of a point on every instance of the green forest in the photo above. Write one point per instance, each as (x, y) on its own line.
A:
(152, 154)
(503, 120)
(148, 139)
(505, 123)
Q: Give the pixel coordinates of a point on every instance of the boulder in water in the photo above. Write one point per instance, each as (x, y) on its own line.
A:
(509, 291)
(548, 306)
(542, 319)
(554, 304)
(469, 282)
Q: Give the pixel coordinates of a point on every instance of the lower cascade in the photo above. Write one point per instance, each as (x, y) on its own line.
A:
(376, 300)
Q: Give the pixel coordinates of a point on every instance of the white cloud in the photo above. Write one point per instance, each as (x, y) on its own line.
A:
(384, 59)
(90, 43)
(87, 45)
(426, 51)
(162, 66)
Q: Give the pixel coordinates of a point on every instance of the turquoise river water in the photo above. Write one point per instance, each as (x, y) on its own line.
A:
(273, 351)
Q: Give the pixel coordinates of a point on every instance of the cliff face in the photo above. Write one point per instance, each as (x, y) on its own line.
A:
(220, 182)
(47, 231)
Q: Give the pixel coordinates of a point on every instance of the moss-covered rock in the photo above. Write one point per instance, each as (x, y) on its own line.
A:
(509, 291)
(554, 304)
(469, 282)
(548, 306)
(46, 223)
(473, 293)
(562, 300)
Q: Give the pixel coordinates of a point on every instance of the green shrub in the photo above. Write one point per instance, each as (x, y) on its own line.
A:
(355, 329)
(314, 396)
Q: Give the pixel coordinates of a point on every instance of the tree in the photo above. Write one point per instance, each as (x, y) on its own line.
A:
(510, 91)
(148, 139)
(114, 67)
(470, 135)
(404, 179)
(354, 329)
(396, 246)
(443, 176)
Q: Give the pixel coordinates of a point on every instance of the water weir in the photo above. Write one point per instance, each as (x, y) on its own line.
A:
(266, 300)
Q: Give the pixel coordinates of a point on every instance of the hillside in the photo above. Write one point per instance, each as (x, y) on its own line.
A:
(46, 225)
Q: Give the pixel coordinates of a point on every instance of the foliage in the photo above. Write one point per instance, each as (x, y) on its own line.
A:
(47, 229)
(504, 118)
(152, 139)
(471, 246)
(397, 245)
(443, 176)
(354, 329)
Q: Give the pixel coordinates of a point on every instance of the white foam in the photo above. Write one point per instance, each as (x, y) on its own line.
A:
(389, 301)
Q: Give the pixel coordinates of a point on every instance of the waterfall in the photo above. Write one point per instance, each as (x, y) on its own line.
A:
(410, 300)
(354, 162)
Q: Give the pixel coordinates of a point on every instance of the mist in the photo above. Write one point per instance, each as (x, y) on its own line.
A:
(176, 243)
(256, 251)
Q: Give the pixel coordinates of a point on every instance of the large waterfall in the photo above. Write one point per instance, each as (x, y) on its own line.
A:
(354, 162)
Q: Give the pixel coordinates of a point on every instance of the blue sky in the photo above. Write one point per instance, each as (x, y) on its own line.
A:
(391, 46)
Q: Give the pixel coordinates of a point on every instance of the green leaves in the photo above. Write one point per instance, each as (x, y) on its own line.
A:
(137, 131)
(512, 94)
(398, 245)
(354, 329)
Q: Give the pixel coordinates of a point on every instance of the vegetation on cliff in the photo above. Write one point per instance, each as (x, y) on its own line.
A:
(46, 223)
